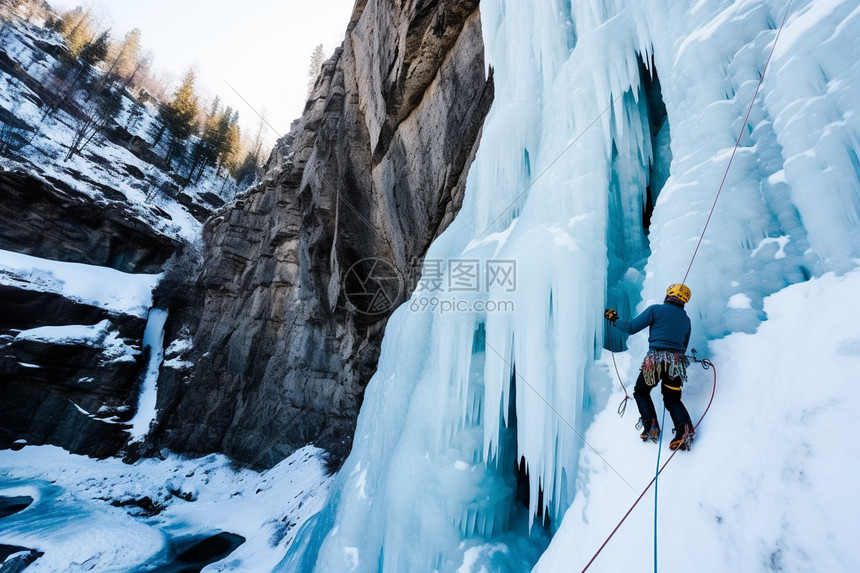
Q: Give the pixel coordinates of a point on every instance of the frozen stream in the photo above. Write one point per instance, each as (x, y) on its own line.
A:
(167, 515)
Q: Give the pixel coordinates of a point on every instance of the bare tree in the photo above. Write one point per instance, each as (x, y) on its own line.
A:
(317, 59)
(96, 117)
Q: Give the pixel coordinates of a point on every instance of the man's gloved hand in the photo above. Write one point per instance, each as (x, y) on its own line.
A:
(610, 315)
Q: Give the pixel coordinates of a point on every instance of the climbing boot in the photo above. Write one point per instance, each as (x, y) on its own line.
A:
(683, 440)
(650, 430)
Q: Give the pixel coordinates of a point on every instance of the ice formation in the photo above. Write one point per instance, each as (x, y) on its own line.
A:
(153, 342)
(611, 129)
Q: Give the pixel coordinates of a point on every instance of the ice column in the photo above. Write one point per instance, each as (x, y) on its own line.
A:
(153, 340)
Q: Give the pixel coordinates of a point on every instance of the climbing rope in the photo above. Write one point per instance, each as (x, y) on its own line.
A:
(707, 365)
(656, 483)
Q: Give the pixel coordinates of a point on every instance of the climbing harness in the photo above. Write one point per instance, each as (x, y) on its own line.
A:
(658, 361)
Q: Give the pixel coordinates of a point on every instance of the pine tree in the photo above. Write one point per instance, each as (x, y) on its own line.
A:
(219, 142)
(178, 116)
(229, 127)
(85, 49)
(205, 150)
(95, 51)
(127, 55)
(77, 27)
(248, 170)
(141, 70)
(123, 61)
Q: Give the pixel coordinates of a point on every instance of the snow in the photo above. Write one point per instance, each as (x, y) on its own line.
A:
(92, 515)
(150, 197)
(112, 290)
(739, 301)
(173, 353)
(113, 348)
(74, 521)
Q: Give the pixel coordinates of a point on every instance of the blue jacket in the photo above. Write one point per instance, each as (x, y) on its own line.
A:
(670, 326)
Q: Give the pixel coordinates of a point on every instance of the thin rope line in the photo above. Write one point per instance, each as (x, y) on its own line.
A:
(340, 198)
(314, 169)
(551, 407)
(622, 407)
(656, 474)
(738, 141)
(557, 157)
(263, 119)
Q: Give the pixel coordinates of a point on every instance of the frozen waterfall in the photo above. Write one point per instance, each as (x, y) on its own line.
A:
(610, 131)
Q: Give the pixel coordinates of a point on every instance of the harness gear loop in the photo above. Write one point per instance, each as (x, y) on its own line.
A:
(658, 361)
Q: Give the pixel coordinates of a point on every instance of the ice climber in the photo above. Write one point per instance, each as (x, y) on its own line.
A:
(666, 362)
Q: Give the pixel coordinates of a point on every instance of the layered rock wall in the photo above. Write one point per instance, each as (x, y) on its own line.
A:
(301, 273)
(51, 220)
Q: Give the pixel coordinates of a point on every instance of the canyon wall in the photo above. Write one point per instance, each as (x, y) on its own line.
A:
(300, 274)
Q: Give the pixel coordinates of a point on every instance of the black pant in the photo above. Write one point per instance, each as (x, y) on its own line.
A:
(671, 388)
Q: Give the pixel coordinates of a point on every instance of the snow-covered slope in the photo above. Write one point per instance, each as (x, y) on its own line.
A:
(769, 484)
(603, 109)
(104, 170)
(102, 287)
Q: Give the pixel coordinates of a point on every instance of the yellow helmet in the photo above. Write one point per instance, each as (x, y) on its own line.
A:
(680, 292)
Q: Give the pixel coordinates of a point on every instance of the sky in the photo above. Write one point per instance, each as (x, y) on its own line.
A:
(262, 48)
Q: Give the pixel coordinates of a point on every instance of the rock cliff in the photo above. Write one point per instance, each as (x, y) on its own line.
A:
(76, 394)
(300, 273)
(52, 220)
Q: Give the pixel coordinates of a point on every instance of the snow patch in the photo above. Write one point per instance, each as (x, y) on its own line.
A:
(739, 301)
(102, 287)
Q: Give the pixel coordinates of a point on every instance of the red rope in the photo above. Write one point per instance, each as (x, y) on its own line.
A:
(707, 365)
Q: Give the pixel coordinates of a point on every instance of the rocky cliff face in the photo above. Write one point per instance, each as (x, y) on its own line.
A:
(73, 393)
(301, 273)
(52, 220)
